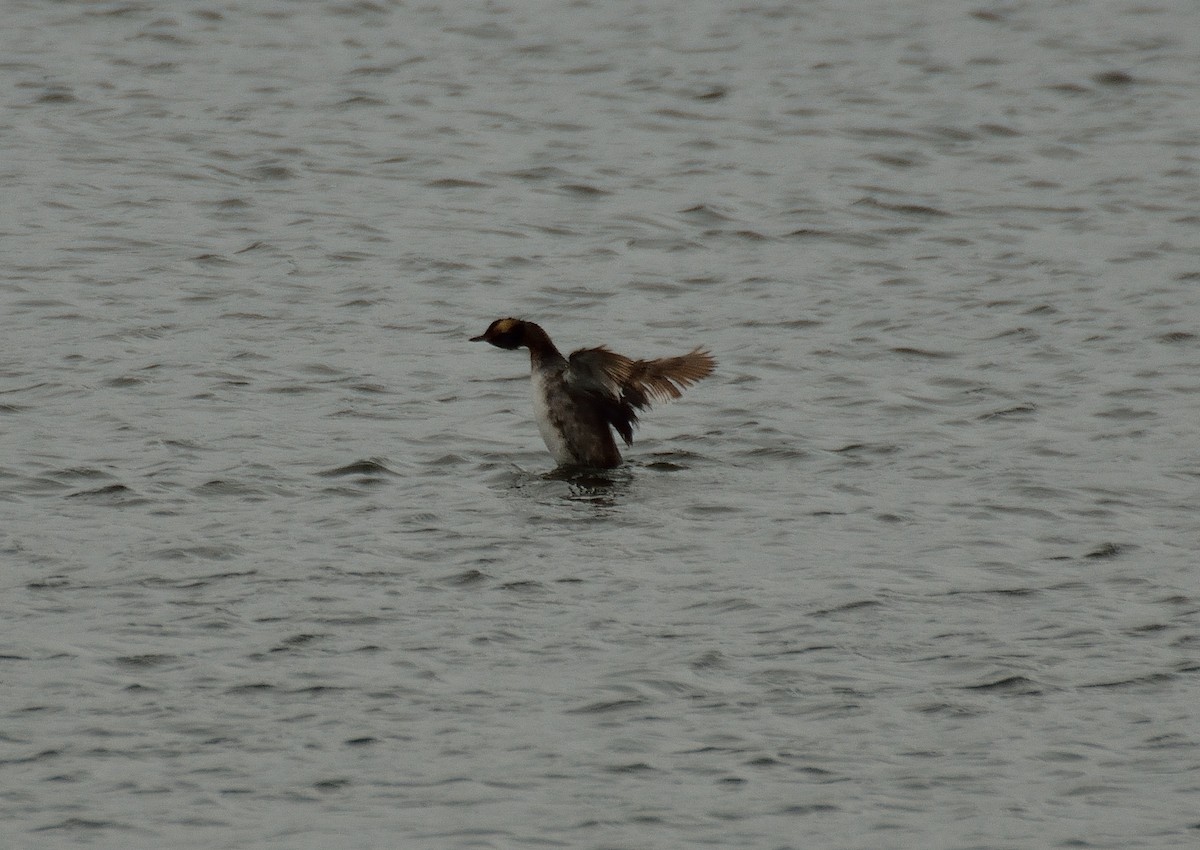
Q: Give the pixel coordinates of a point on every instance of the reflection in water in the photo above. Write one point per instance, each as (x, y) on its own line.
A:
(600, 487)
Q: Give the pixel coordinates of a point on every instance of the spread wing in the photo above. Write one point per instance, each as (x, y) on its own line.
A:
(622, 386)
(667, 377)
(598, 372)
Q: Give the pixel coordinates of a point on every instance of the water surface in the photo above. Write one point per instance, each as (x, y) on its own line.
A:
(287, 566)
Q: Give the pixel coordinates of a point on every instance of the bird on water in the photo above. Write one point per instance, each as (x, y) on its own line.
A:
(577, 399)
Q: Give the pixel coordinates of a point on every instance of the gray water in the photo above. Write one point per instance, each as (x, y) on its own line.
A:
(286, 565)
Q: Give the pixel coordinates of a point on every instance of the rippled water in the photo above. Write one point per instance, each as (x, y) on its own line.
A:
(287, 566)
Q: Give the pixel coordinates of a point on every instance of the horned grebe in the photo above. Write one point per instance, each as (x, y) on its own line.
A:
(576, 399)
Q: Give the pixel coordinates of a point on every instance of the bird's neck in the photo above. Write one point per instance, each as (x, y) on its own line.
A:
(542, 350)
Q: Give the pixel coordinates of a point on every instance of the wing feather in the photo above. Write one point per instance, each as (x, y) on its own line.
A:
(598, 371)
(666, 378)
(622, 386)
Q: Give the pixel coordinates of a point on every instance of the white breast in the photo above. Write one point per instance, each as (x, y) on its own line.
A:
(545, 422)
